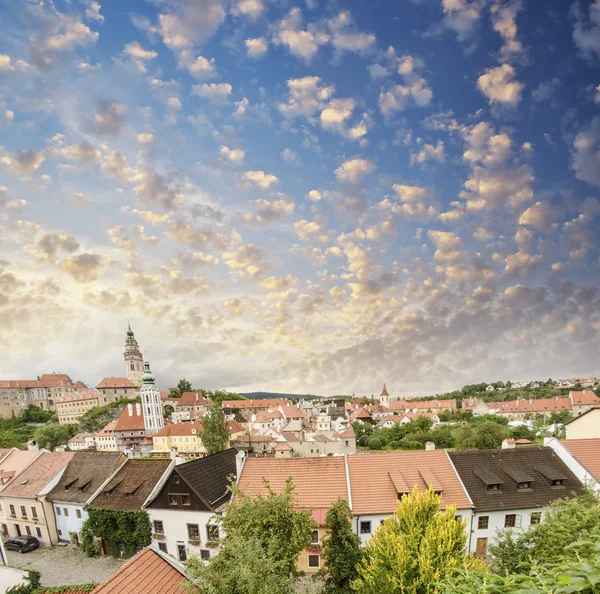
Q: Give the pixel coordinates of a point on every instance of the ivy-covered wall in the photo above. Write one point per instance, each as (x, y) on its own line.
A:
(127, 530)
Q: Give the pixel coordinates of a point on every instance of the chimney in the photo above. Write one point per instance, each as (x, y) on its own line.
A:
(173, 453)
(138, 409)
(508, 444)
(130, 409)
(429, 446)
(239, 463)
(196, 396)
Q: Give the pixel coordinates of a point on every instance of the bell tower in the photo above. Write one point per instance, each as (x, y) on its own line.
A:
(384, 398)
(151, 402)
(134, 362)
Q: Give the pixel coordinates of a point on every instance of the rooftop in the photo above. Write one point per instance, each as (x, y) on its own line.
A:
(173, 429)
(73, 396)
(131, 419)
(193, 398)
(115, 382)
(586, 452)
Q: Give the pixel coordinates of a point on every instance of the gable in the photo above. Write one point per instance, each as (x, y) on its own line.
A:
(177, 485)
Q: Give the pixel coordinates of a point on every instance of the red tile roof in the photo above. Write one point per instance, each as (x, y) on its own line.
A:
(384, 392)
(194, 398)
(552, 404)
(56, 380)
(108, 429)
(87, 395)
(584, 397)
(131, 419)
(180, 429)
(79, 385)
(146, 573)
(586, 452)
(115, 382)
(234, 427)
(292, 412)
(37, 475)
(245, 404)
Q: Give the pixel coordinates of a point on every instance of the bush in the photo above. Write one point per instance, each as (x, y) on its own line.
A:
(410, 444)
(374, 443)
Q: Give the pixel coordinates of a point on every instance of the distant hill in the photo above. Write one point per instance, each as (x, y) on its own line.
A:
(263, 395)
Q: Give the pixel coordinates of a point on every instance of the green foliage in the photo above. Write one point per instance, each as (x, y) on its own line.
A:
(564, 522)
(217, 396)
(341, 550)
(129, 531)
(361, 429)
(51, 435)
(264, 536)
(65, 589)
(34, 414)
(522, 432)
(182, 386)
(414, 549)
(215, 436)
(483, 435)
(33, 582)
(374, 443)
(98, 417)
(560, 416)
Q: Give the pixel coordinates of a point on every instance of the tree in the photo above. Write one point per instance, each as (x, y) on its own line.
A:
(341, 549)
(560, 416)
(217, 396)
(98, 417)
(414, 549)
(484, 435)
(182, 386)
(361, 429)
(522, 432)
(34, 414)
(52, 435)
(264, 536)
(215, 436)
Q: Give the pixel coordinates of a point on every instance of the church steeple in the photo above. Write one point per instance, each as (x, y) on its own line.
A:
(151, 402)
(134, 362)
(384, 398)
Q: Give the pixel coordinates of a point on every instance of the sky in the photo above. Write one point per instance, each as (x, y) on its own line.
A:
(310, 197)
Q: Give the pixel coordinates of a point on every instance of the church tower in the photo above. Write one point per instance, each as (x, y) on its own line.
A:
(384, 398)
(134, 362)
(151, 402)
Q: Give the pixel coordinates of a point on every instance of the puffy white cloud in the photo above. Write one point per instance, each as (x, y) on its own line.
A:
(92, 12)
(314, 195)
(259, 179)
(249, 8)
(174, 103)
(5, 64)
(234, 155)
(498, 86)
(22, 162)
(247, 260)
(377, 71)
(289, 155)
(84, 268)
(145, 138)
(345, 37)
(521, 263)
(504, 22)
(138, 56)
(306, 96)
(587, 38)
(428, 152)
(462, 16)
(353, 171)
(213, 91)
(309, 229)
(415, 203)
(540, 215)
(448, 246)
(302, 43)
(269, 211)
(257, 47)
(198, 66)
(586, 153)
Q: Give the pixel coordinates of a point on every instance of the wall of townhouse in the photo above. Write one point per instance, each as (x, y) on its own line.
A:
(65, 515)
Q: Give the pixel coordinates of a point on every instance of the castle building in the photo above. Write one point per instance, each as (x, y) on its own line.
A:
(134, 362)
(151, 402)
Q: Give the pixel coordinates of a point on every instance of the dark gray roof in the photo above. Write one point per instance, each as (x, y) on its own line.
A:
(84, 474)
(536, 465)
(209, 477)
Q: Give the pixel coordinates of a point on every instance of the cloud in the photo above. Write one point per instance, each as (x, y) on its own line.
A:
(428, 152)
(174, 103)
(354, 170)
(521, 263)
(498, 86)
(586, 153)
(22, 162)
(377, 71)
(213, 91)
(257, 47)
(269, 211)
(138, 56)
(314, 195)
(302, 43)
(84, 268)
(259, 179)
(92, 12)
(49, 245)
(109, 118)
(307, 95)
(545, 90)
(540, 216)
(199, 66)
(289, 155)
(597, 95)
(345, 37)
(307, 230)
(8, 203)
(246, 261)
(462, 16)
(234, 155)
(248, 8)
(504, 22)
(587, 38)
(6, 66)
(188, 234)
(415, 203)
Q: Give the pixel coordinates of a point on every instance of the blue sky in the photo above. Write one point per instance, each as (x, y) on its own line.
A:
(301, 196)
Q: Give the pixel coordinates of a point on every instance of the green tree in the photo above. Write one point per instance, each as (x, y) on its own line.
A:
(215, 436)
(98, 417)
(361, 429)
(443, 437)
(374, 443)
(522, 432)
(182, 386)
(341, 550)
(414, 549)
(560, 416)
(34, 414)
(264, 536)
(52, 435)
(217, 396)
(484, 435)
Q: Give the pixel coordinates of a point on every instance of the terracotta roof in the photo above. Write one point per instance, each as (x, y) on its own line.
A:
(469, 403)
(108, 429)
(84, 474)
(56, 380)
(284, 447)
(88, 395)
(14, 462)
(292, 412)
(535, 465)
(584, 397)
(268, 415)
(79, 385)
(384, 392)
(234, 427)
(131, 485)
(80, 437)
(362, 414)
(349, 432)
(131, 419)
(148, 572)
(586, 452)
(194, 398)
(243, 404)
(180, 429)
(115, 382)
(318, 482)
(37, 475)
(20, 384)
(377, 479)
(544, 404)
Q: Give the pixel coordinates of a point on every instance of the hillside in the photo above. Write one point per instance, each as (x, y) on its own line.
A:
(265, 395)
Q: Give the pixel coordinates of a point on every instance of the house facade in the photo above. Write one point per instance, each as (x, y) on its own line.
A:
(194, 403)
(105, 438)
(582, 456)
(112, 389)
(585, 426)
(182, 511)
(130, 432)
(74, 405)
(185, 437)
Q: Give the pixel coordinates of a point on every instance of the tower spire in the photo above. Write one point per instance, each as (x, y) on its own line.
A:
(134, 362)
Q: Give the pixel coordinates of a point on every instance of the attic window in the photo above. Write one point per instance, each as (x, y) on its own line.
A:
(524, 485)
(109, 490)
(133, 491)
(558, 483)
(69, 485)
(493, 487)
(555, 478)
(489, 479)
(84, 486)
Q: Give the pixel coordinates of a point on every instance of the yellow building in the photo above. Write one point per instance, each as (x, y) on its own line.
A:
(183, 436)
(75, 405)
(309, 559)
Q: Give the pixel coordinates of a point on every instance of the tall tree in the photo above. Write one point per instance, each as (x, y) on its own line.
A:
(51, 435)
(182, 386)
(414, 549)
(341, 550)
(215, 436)
(264, 536)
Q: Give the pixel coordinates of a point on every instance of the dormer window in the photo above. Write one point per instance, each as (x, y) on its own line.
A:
(493, 487)
(524, 485)
(558, 483)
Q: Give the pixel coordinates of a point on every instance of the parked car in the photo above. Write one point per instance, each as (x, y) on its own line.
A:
(23, 544)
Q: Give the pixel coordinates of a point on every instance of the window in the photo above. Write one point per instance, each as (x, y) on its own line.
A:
(38, 531)
(524, 485)
(158, 527)
(185, 500)
(536, 518)
(57, 511)
(182, 552)
(510, 520)
(18, 529)
(28, 530)
(205, 555)
(163, 547)
(493, 487)
(314, 561)
(34, 512)
(176, 479)
(60, 533)
(65, 512)
(483, 522)
(315, 536)
(23, 511)
(172, 499)
(212, 532)
(78, 513)
(558, 483)
(365, 527)
(193, 532)
(13, 513)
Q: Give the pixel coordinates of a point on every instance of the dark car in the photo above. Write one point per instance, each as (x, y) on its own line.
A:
(23, 544)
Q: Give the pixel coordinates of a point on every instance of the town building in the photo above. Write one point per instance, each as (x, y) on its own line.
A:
(194, 403)
(82, 441)
(583, 401)
(582, 456)
(247, 408)
(130, 432)
(510, 488)
(85, 473)
(184, 437)
(12, 462)
(182, 511)
(151, 402)
(74, 405)
(432, 406)
(25, 509)
(105, 438)
(134, 362)
(112, 389)
(585, 426)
